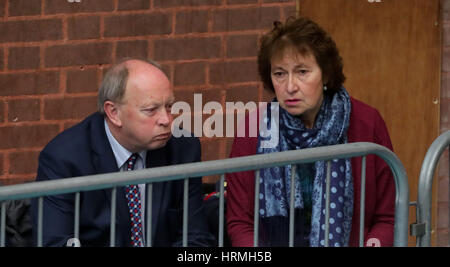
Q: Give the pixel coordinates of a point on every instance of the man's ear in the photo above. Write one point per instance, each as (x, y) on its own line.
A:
(112, 112)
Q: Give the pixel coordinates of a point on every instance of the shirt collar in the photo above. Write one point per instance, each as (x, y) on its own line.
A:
(120, 153)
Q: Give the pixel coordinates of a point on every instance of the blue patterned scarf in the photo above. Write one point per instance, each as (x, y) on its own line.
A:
(330, 128)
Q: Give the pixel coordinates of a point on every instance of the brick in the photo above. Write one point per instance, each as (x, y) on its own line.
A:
(237, 2)
(445, 113)
(443, 187)
(24, 110)
(188, 97)
(17, 180)
(58, 6)
(233, 72)
(190, 74)
(27, 135)
(445, 5)
(278, 1)
(442, 239)
(83, 28)
(2, 7)
(445, 84)
(133, 4)
(192, 21)
(23, 162)
(2, 112)
(138, 25)
(1, 166)
(36, 83)
(71, 123)
(24, 7)
(23, 58)
(1, 59)
(211, 149)
(248, 95)
(133, 49)
(446, 34)
(207, 96)
(80, 54)
(245, 18)
(242, 46)
(289, 11)
(443, 221)
(187, 48)
(267, 95)
(82, 81)
(69, 108)
(446, 59)
(167, 69)
(180, 3)
(243, 94)
(445, 9)
(443, 167)
(30, 30)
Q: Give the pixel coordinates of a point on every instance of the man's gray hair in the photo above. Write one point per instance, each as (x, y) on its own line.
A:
(115, 81)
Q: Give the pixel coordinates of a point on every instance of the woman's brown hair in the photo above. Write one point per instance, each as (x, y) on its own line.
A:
(307, 37)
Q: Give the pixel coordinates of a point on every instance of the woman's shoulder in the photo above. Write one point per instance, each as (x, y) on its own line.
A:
(364, 113)
(366, 123)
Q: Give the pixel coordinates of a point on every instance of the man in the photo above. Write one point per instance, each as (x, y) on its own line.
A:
(131, 130)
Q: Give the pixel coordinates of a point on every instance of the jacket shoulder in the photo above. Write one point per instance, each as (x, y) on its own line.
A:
(367, 125)
(72, 140)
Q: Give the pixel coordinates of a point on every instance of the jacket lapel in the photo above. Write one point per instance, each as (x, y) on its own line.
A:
(105, 162)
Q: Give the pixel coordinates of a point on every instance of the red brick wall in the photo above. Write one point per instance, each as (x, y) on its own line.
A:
(443, 175)
(53, 55)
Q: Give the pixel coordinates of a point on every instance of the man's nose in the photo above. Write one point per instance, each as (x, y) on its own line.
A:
(164, 118)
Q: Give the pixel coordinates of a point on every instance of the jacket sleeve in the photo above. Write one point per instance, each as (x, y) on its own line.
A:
(58, 216)
(382, 227)
(240, 197)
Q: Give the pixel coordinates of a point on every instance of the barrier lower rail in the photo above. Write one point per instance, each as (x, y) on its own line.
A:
(184, 171)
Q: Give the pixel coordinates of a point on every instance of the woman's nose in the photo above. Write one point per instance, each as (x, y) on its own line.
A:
(292, 85)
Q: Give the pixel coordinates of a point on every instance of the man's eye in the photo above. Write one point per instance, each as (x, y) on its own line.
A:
(150, 110)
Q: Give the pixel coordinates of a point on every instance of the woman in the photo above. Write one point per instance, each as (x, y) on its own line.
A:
(300, 63)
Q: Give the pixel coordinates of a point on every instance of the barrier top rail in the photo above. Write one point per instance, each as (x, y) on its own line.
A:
(424, 193)
(181, 171)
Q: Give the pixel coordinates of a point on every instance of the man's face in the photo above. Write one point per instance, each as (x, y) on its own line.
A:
(145, 111)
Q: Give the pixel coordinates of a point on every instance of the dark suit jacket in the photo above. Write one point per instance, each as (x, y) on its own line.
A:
(84, 150)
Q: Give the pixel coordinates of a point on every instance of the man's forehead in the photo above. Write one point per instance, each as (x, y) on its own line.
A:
(140, 67)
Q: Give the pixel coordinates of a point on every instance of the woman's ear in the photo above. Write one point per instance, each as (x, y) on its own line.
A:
(112, 112)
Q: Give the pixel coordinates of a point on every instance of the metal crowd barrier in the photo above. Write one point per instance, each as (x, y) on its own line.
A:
(184, 171)
(422, 228)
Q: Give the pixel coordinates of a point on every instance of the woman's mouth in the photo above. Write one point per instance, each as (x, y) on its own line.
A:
(292, 101)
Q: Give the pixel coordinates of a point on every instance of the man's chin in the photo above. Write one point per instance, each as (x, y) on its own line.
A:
(157, 144)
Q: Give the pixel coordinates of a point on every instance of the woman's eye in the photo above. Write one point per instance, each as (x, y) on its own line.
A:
(278, 74)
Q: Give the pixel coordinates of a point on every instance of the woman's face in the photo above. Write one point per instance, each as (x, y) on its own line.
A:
(298, 84)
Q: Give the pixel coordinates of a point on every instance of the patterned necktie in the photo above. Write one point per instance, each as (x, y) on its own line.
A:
(134, 205)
